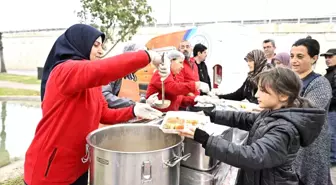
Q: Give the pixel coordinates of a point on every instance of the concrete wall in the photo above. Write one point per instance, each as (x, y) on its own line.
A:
(26, 51)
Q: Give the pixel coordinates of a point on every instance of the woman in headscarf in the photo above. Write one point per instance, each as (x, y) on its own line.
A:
(257, 63)
(282, 59)
(73, 105)
(175, 91)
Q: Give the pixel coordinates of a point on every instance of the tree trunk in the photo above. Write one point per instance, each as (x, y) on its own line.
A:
(4, 154)
(2, 61)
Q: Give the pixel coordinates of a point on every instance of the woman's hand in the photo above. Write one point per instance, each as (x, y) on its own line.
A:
(162, 64)
(164, 68)
(202, 99)
(216, 92)
(188, 132)
(145, 111)
(152, 99)
(204, 87)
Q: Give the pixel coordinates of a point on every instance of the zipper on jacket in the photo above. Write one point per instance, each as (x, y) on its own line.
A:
(86, 158)
(51, 158)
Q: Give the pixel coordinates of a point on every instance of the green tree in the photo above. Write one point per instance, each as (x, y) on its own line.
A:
(118, 19)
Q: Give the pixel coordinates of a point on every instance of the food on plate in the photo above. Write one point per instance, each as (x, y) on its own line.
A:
(175, 123)
(179, 126)
(175, 126)
(192, 122)
(175, 120)
(178, 123)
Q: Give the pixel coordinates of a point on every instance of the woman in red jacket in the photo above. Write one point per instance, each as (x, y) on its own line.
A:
(73, 105)
(175, 91)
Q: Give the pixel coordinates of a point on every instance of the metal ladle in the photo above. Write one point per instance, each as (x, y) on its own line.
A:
(164, 103)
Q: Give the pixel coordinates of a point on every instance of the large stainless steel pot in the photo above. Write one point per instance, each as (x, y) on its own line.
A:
(198, 160)
(134, 154)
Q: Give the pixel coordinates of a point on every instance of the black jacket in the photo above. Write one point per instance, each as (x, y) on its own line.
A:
(203, 74)
(331, 76)
(273, 142)
(246, 91)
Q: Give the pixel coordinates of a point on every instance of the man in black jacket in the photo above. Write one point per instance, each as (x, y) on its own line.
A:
(330, 58)
(200, 54)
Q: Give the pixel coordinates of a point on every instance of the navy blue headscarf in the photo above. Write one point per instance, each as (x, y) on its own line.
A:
(74, 44)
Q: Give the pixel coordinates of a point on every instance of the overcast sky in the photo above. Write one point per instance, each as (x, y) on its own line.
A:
(38, 14)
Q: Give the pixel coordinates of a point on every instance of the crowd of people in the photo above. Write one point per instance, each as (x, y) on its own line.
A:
(291, 139)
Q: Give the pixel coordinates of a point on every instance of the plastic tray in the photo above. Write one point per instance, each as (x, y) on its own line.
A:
(202, 120)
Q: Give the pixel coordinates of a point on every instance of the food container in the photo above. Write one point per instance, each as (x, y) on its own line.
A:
(241, 105)
(175, 121)
(202, 107)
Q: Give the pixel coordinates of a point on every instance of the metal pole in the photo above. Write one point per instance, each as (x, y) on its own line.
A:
(170, 12)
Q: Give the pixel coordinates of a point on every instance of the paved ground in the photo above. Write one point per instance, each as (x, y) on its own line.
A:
(11, 171)
(16, 85)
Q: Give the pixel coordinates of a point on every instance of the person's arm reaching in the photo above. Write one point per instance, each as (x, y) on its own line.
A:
(76, 75)
(267, 152)
(113, 100)
(114, 116)
(238, 95)
(241, 120)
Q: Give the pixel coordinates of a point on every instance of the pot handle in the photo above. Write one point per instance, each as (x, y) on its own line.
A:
(146, 172)
(174, 161)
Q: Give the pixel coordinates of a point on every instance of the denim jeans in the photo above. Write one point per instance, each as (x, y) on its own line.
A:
(332, 131)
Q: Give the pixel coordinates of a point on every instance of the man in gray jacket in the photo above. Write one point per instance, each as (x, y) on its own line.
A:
(111, 90)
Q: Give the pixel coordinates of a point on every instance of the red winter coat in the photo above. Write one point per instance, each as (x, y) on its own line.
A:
(174, 91)
(189, 73)
(73, 106)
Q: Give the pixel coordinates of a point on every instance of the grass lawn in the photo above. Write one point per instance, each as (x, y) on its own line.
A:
(19, 78)
(15, 181)
(18, 92)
